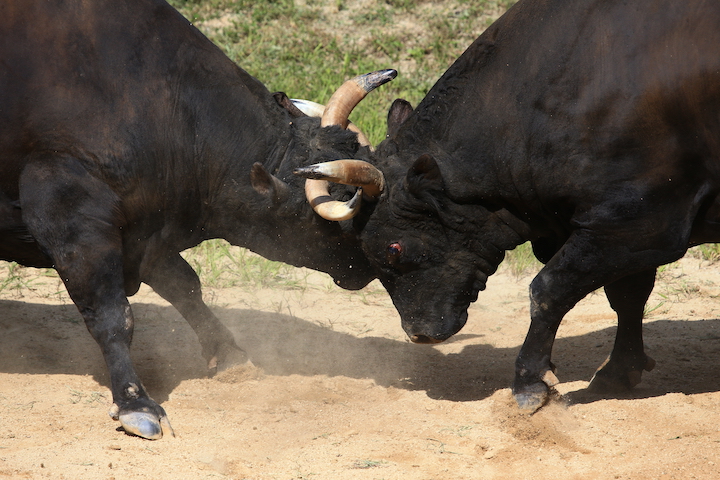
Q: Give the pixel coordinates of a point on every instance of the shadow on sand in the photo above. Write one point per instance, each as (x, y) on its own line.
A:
(51, 339)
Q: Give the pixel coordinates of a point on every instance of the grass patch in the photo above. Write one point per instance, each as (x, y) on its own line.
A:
(521, 261)
(709, 252)
(367, 464)
(15, 279)
(309, 48)
(217, 263)
(220, 265)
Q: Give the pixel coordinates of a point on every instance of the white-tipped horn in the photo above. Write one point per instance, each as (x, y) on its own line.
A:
(309, 108)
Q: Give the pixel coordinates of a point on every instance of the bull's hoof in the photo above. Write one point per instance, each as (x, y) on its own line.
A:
(611, 378)
(227, 356)
(531, 397)
(143, 424)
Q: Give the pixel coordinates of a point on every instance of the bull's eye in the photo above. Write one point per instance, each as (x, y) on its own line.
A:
(394, 251)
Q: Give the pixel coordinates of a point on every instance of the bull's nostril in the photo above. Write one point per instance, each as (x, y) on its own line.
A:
(423, 339)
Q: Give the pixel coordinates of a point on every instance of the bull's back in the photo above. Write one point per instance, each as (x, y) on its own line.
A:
(82, 78)
(571, 96)
(87, 80)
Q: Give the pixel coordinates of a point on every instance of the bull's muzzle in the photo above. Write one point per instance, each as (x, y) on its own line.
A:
(424, 339)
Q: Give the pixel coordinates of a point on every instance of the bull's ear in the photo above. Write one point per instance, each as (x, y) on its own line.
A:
(267, 184)
(424, 175)
(288, 105)
(400, 110)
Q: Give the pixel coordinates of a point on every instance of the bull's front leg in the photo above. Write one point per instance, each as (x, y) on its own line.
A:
(110, 321)
(74, 218)
(588, 260)
(534, 371)
(585, 262)
(175, 280)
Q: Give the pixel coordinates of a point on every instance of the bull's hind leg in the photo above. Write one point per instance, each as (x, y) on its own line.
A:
(623, 368)
(174, 280)
(581, 266)
(75, 218)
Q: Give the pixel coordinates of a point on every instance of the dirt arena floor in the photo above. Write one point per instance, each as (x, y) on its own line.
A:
(338, 392)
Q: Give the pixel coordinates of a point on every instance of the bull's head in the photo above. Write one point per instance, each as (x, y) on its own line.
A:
(433, 253)
(327, 242)
(408, 259)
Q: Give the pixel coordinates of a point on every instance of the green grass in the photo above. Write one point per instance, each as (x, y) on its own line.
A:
(521, 261)
(366, 464)
(219, 264)
(709, 252)
(15, 279)
(307, 49)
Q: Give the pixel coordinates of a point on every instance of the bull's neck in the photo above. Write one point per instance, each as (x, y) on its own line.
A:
(232, 201)
(234, 124)
(489, 234)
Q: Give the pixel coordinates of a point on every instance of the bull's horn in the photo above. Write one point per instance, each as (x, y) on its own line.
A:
(309, 108)
(329, 209)
(312, 109)
(324, 205)
(362, 139)
(337, 111)
(348, 172)
(349, 95)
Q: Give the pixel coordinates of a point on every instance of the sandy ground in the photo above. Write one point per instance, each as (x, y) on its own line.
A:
(339, 393)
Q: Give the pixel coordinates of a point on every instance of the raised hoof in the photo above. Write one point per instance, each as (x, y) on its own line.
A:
(532, 397)
(604, 384)
(611, 380)
(649, 363)
(227, 356)
(145, 425)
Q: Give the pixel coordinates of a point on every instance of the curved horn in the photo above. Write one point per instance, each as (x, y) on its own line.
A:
(312, 109)
(320, 200)
(337, 111)
(316, 191)
(349, 95)
(348, 172)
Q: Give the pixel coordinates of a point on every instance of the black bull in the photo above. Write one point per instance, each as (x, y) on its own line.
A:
(126, 137)
(590, 128)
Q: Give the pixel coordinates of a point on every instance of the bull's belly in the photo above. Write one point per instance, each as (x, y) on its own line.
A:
(16, 243)
(15, 248)
(706, 228)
